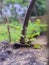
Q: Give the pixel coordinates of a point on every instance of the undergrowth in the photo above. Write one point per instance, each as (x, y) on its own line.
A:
(34, 28)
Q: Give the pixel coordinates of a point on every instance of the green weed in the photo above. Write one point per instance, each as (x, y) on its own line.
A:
(15, 30)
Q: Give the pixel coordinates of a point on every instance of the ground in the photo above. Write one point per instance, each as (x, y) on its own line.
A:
(23, 55)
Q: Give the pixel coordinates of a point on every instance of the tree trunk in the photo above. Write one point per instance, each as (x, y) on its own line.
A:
(47, 1)
(8, 28)
(26, 21)
(1, 2)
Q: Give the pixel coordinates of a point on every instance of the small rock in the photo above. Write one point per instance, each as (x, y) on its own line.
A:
(5, 42)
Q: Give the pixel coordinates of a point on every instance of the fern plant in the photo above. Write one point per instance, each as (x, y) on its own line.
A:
(34, 29)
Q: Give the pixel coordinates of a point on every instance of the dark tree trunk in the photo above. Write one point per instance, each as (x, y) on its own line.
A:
(26, 21)
(1, 2)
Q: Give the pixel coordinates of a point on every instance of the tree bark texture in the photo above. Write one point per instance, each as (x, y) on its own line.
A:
(26, 21)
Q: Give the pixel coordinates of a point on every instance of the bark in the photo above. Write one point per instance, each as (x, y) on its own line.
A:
(1, 2)
(8, 28)
(26, 21)
(48, 28)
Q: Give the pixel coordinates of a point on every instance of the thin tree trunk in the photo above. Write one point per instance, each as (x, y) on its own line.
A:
(8, 28)
(35, 10)
(47, 1)
(1, 2)
(26, 21)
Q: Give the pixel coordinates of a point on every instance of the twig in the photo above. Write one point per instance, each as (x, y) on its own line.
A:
(8, 28)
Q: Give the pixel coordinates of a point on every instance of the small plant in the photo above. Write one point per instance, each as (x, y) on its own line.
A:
(37, 46)
(34, 29)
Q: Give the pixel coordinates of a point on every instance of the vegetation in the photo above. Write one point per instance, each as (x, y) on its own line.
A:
(39, 7)
(37, 46)
(28, 32)
(15, 33)
(26, 21)
(21, 35)
(34, 28)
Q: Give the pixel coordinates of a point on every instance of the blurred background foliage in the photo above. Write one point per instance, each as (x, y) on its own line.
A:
(17, 8)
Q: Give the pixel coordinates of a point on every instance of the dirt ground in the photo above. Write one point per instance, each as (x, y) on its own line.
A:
(24, 56)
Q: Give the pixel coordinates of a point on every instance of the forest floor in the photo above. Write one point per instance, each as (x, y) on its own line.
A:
(24, 55)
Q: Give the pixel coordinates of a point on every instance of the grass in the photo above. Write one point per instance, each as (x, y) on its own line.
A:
(15, 33)
(33, 28)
